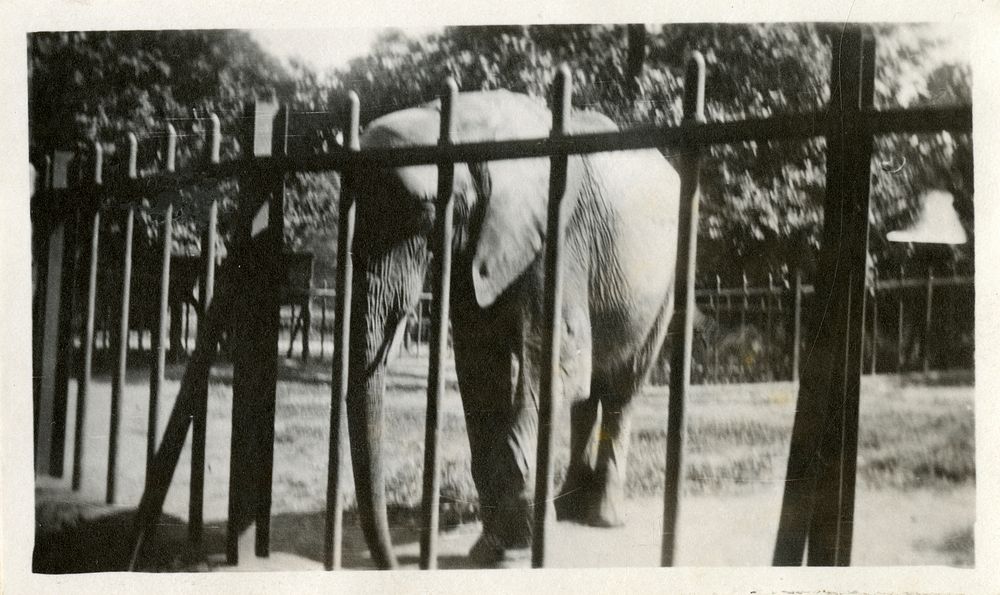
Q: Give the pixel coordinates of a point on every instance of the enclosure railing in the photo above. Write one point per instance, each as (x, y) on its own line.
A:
(770, 313)
(818, 499)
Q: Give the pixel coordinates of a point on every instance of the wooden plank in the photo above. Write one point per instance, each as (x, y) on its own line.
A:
(831, 529)
(192, 389)
(50, 431)
(819, 484)
(255, 340)
(159, 355)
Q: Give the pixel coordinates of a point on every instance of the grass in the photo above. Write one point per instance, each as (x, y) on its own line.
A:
(737, 437)
(912, 439)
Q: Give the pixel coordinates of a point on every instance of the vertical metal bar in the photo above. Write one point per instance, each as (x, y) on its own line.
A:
(768, 345)
(715, 344)
(636, 56)
(159, 354)
(199, 421)
(874, 321)
(322, 323)
(439, 334)
(334, 530)
(745, 307)
(118, 382)
(928, 312)
(797, 326)
(551, 339)
(684, 304)
(214, 140)
(900, 356)
(159, 349)
(420, 322)
(86, 370)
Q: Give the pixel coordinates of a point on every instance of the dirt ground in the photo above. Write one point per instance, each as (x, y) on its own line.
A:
(734, 524)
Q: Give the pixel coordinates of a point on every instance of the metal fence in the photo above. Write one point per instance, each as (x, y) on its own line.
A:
(818, 500)
(748, 332)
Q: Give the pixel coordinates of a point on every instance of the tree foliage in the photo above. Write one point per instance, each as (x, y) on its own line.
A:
(762, 202)
(87, 87)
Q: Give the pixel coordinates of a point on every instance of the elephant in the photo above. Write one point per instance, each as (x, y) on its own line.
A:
(618, 279)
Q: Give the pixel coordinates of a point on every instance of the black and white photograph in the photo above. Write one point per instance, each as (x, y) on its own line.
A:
(631, 295)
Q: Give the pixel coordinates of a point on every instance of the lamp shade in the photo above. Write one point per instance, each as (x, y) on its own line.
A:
(938, 222)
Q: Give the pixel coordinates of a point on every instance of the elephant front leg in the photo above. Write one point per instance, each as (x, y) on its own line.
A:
(577, 495)
(507, 486)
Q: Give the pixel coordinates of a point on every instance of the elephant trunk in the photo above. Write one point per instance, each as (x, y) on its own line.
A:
(365, 423)
(383, 292)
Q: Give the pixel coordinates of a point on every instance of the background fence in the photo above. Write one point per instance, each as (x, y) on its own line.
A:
(747, 332)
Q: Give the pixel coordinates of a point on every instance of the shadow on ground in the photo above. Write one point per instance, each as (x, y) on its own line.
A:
(74, 536)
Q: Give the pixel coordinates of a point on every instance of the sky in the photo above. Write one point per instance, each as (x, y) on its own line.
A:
(323, 48)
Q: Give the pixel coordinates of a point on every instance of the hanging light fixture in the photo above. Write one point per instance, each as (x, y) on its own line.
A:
(938, 222)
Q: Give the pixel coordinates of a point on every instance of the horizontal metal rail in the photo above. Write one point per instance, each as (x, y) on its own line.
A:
(691, 134)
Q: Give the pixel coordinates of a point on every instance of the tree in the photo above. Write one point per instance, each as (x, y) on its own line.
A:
(99, 86)
(762, 202)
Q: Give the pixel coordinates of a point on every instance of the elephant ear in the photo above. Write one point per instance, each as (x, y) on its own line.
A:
(514, 224)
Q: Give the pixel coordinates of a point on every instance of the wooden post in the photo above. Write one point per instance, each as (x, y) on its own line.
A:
(334, 530)
(40, 246)
(169, 452)
(797, 326)
(818, 502)
(121, 339)
(443, 231)
(86, 370)
(684, 304)
(58, 287)
(562, 91)
(159, 354)
(255, 341)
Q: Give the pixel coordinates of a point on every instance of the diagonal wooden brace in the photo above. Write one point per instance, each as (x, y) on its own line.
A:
(193, 389)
